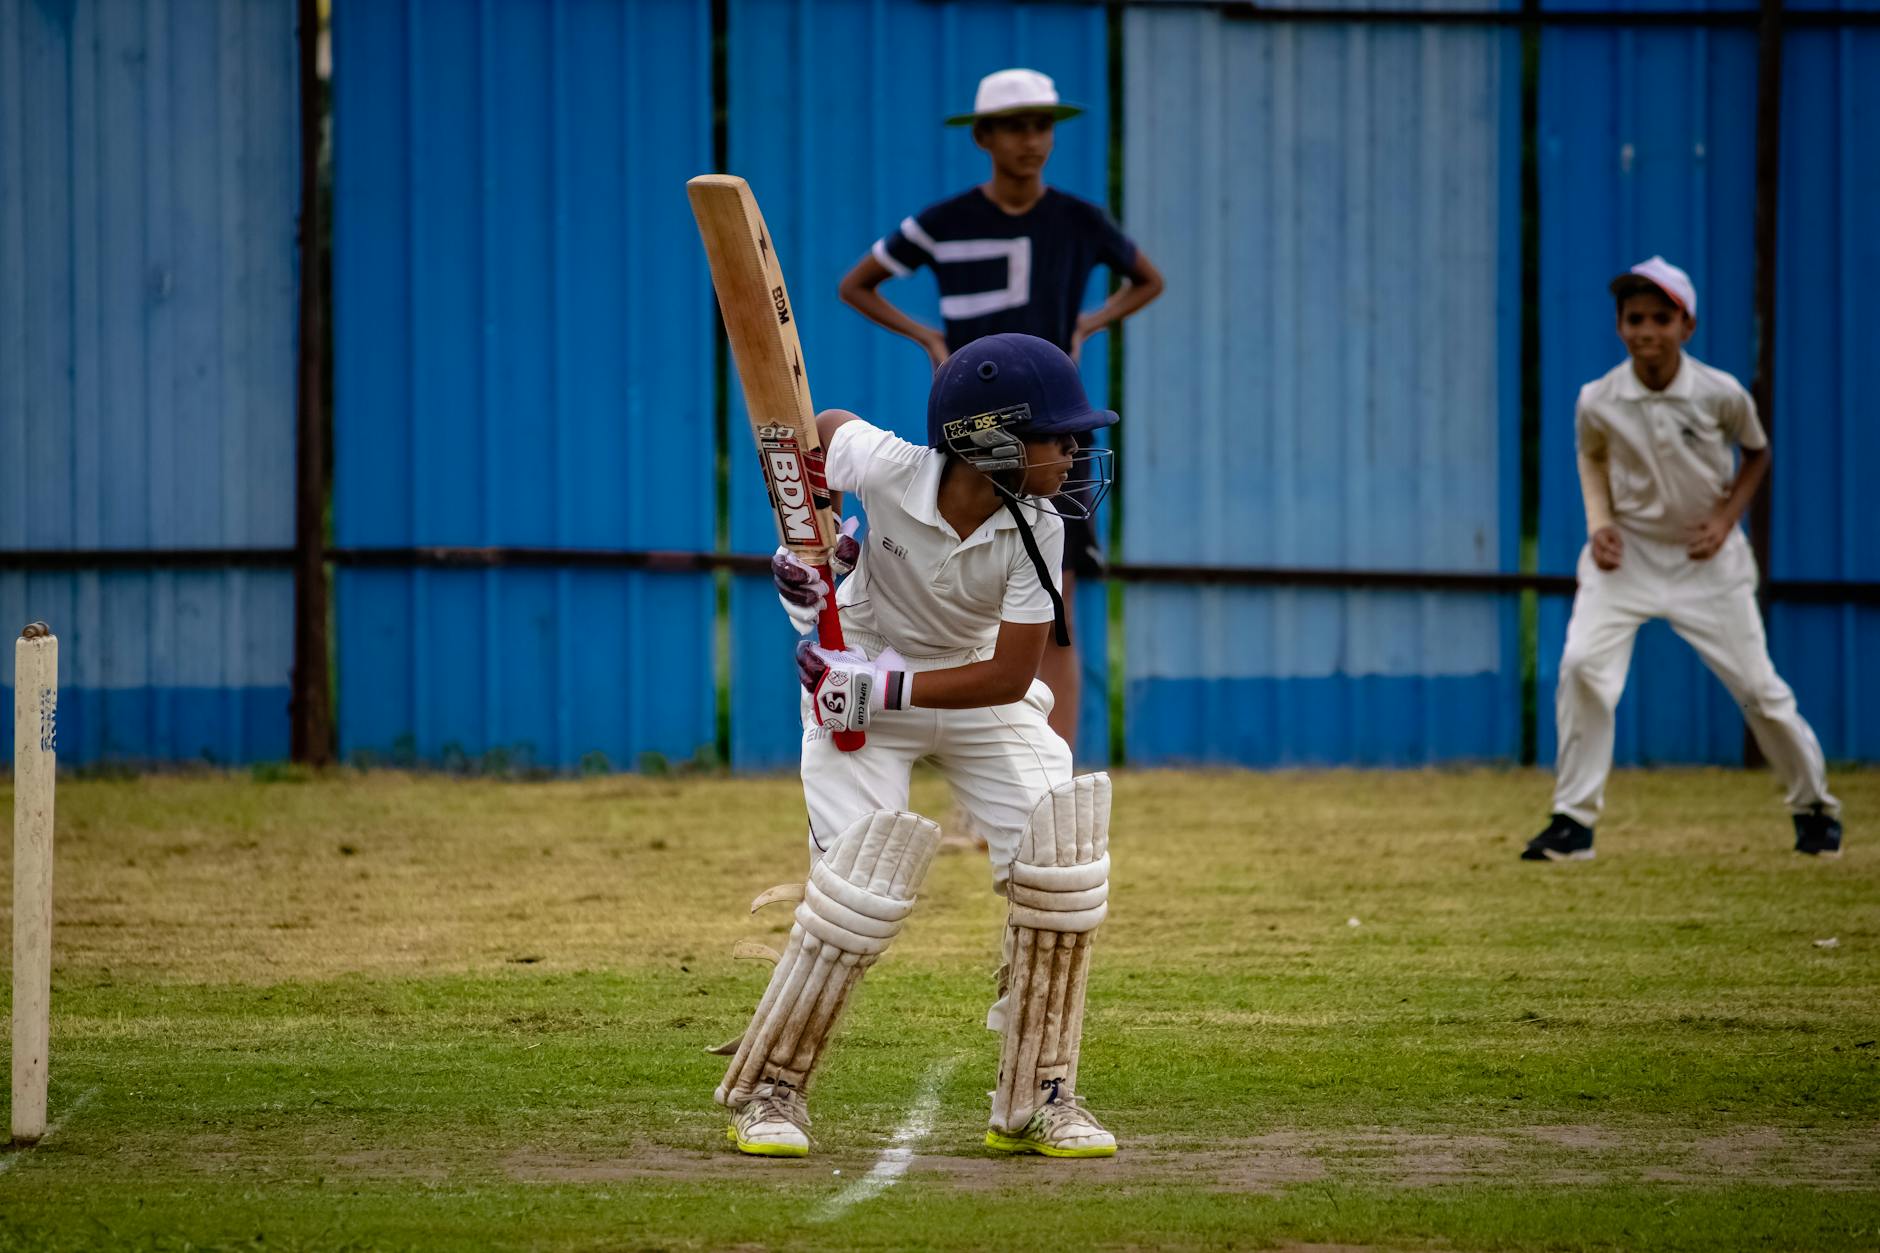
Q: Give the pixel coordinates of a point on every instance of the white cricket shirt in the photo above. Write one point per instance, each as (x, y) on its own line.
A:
(919, 587)
(1670, 455)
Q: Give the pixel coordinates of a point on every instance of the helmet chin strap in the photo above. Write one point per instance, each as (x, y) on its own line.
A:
(1059, 628)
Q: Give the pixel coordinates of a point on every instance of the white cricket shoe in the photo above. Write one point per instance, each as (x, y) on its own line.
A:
(773, 1123)
(1060, 1128)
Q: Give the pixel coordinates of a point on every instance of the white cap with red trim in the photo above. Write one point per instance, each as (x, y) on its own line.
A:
(1672, 281)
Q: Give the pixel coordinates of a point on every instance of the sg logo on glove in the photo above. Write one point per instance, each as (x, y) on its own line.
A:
(833, 702)
(846, 688)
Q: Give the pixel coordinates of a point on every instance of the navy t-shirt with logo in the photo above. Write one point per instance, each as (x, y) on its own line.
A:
(1000, 272)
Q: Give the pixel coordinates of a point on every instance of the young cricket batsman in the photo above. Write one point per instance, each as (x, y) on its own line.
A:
(1013, 254)
(945, 615)
(1664, 493)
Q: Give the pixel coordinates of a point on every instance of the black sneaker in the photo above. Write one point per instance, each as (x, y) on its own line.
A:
(1564, 840)
(1818, 834)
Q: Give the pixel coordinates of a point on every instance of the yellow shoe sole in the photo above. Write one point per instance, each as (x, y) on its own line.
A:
(1014, 1144)
(765, 1150)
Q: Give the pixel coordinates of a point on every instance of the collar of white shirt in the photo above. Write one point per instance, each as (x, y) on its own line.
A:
(1631, 387)
(921, 501)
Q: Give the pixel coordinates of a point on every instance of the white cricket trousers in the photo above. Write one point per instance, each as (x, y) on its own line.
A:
(1712, 605)
(1000, 763)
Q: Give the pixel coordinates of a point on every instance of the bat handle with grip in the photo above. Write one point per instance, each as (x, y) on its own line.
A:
(829, 635)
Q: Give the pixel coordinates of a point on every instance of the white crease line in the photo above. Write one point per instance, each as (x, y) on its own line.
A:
(895, 1159)
(11, 1159)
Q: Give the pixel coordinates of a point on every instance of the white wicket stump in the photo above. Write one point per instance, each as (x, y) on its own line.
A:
(35, 762)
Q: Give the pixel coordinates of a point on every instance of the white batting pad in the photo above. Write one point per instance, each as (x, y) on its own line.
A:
(853, 906)
(1059, 893)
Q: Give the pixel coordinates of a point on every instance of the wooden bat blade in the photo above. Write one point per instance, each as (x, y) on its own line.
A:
(761, 324)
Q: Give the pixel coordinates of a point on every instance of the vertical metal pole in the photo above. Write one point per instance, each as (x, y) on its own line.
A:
(1116, 691)
(311, 718)
(1762, 385)
(35, 765)
(1532, 709)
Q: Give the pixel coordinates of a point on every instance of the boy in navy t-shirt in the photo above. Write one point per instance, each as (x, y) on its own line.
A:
(1014, 255)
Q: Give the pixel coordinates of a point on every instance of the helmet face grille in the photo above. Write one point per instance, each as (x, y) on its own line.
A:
(992, 443)
(1092, 472)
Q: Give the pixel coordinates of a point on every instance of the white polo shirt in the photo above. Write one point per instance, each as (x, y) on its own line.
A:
(1670, 455)
(919, 587)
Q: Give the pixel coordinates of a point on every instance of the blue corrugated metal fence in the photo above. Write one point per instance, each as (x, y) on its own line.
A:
(1826, 436)
(1647, 145)
(524, 358)
(1332, 381)
(525, 354)
(148, 183)
(1650, 136)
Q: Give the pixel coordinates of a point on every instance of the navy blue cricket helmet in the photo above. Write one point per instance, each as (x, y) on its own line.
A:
(1010, 385)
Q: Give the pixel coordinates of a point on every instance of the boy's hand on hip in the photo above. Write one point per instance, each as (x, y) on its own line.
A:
(1708, 536)
(846, 689)
(1608, 548)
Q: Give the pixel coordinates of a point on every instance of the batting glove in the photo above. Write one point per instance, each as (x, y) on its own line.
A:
(799, 587)
(846, 689)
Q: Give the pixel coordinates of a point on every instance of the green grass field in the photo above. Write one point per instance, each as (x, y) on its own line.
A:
(381, 1011)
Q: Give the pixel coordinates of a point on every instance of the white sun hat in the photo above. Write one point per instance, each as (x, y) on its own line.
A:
(1668, 279)
(1005, 92)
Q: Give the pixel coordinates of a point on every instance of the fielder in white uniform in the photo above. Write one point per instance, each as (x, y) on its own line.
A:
(946, 614)
(1664, 494)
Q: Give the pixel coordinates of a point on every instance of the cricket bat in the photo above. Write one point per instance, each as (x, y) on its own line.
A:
(761, 325)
